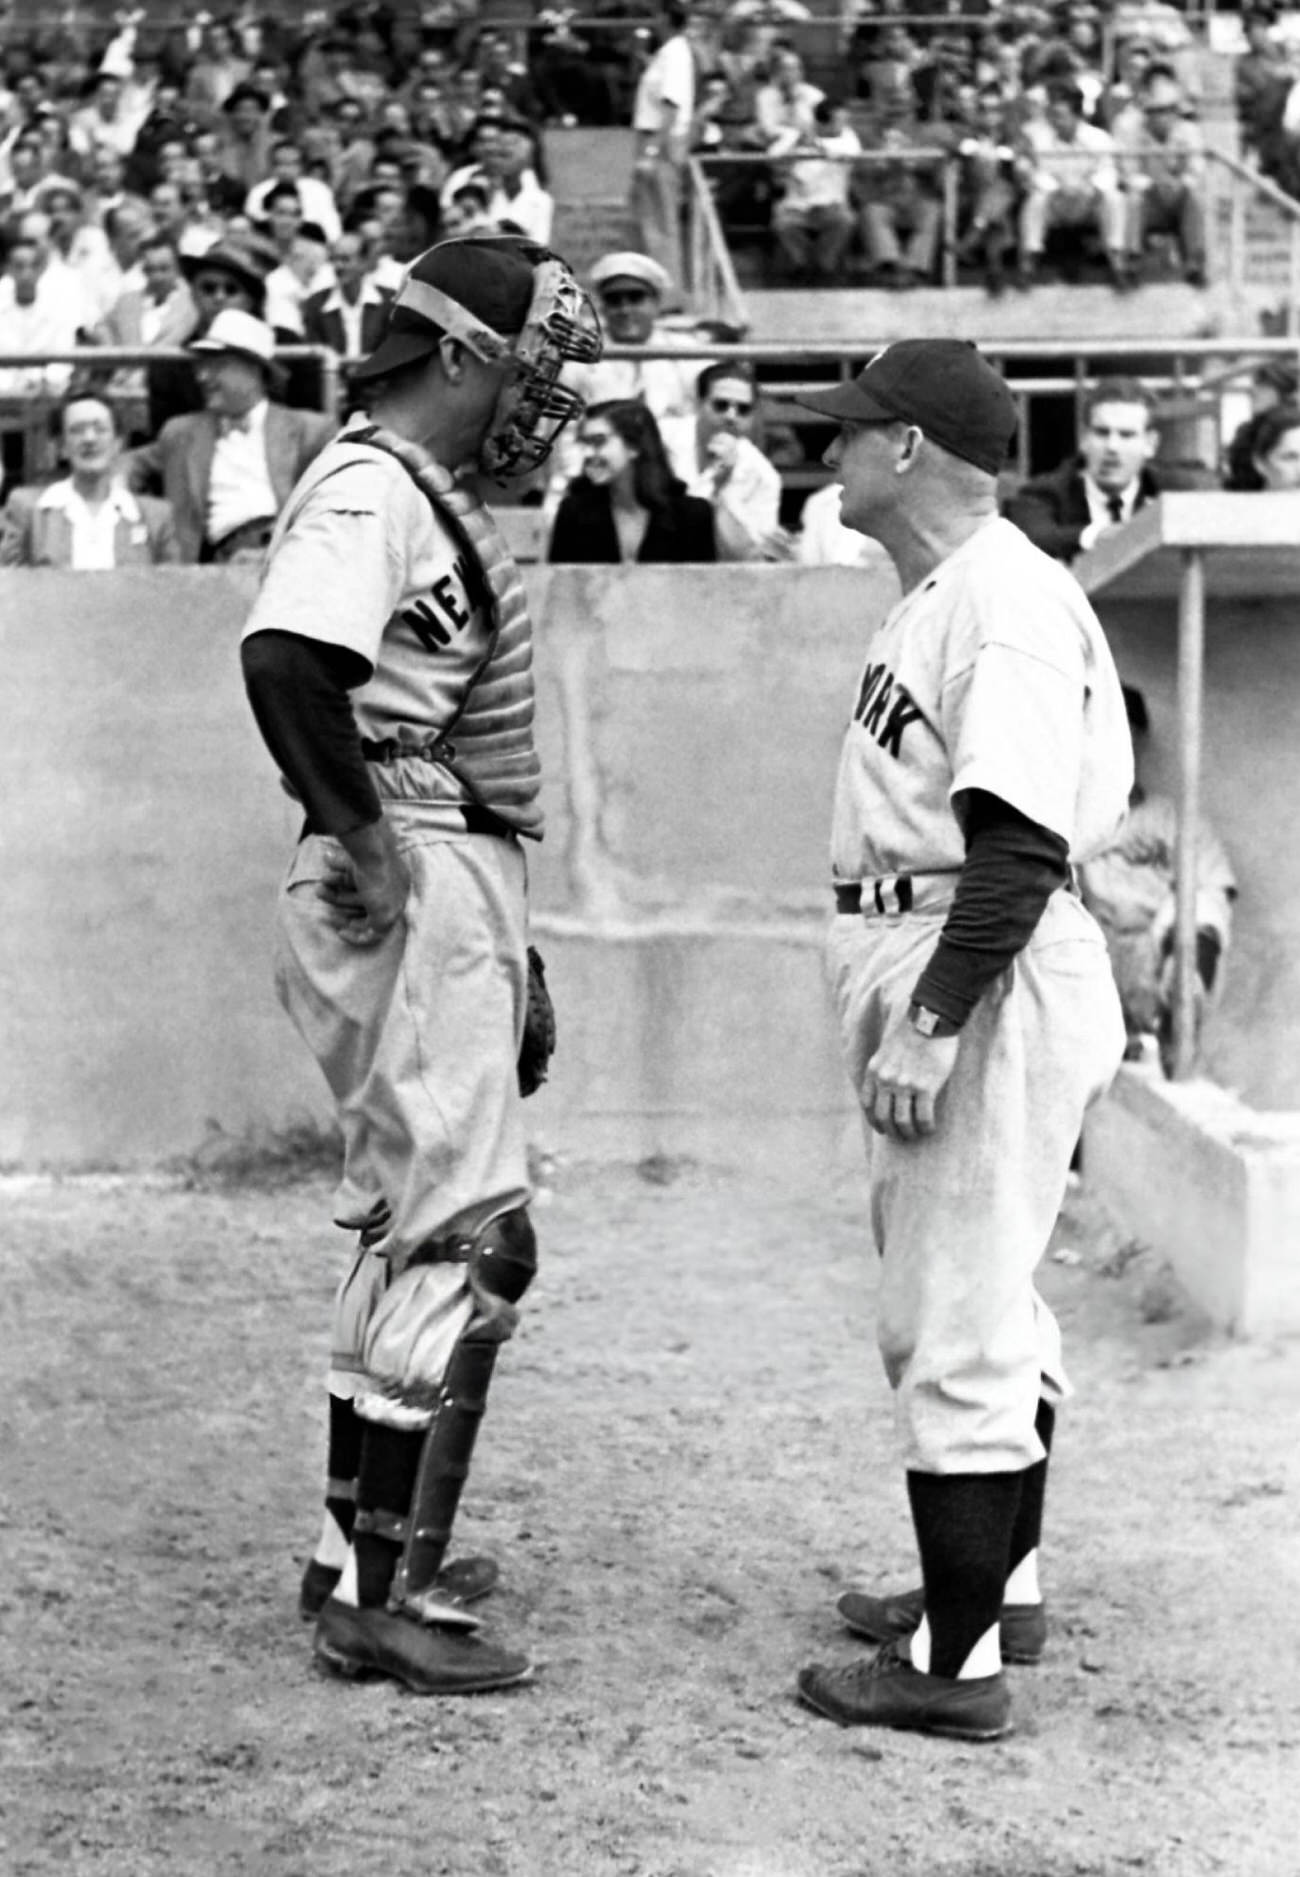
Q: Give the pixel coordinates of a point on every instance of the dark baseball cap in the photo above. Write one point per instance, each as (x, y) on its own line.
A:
(490, 278)
(943, 386)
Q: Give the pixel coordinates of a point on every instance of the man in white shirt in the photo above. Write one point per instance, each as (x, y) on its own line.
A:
(824, 541)
(812, 220)
(1162, 166)
(317, 198)
(505, 157)
(788, 101)
(41, 310)
(304, 273)
(78, 243)
(350, 316)
(716, 457)
(106, 121)
(161, 314)
(1071, 181)
(662, 110)
(89, 521)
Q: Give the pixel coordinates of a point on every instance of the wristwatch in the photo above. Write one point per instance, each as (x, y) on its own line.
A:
(929, 1023)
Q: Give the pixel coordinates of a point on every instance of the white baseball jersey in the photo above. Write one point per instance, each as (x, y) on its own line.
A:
(993, 674)
(359, 560)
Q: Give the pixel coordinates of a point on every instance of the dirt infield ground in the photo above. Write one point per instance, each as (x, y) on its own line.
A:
(688, 1453)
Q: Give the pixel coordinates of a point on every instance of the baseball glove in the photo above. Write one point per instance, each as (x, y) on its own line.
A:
(538, 1045)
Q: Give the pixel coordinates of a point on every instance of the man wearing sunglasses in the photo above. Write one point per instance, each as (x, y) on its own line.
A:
(716, 456)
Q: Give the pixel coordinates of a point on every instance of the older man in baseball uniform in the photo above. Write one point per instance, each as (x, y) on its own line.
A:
(986, 752)
(388, 659)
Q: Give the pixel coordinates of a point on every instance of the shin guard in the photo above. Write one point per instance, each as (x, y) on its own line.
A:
(501, 1268)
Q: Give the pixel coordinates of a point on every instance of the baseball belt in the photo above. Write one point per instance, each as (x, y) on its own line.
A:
(478, 819)
(895, 893)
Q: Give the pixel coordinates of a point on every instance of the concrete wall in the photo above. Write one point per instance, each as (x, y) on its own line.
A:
(689, 726)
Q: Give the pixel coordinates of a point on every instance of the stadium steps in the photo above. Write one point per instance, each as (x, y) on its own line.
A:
(590, 175)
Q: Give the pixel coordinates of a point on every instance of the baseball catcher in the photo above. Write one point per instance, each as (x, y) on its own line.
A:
(388, 661)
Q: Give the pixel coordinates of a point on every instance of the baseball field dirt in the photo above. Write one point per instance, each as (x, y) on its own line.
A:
(688, 1454)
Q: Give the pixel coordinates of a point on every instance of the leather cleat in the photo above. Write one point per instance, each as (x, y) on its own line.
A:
(886, 1691)
(462, 1581)
(358, 1644)
(1022, 1630)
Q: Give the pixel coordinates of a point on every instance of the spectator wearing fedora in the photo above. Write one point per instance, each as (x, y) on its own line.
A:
(230, 276)
(227, 470)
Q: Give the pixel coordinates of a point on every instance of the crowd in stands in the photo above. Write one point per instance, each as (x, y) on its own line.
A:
(238, 185)
(1058, 143)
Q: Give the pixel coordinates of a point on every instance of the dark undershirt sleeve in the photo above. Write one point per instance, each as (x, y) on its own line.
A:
(1012, 868)
(298, 689)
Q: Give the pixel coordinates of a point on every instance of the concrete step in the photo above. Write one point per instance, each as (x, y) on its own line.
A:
(590, 163)
(863, 318)
(583, 231)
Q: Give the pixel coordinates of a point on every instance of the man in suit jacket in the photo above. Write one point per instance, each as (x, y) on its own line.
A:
(89, 521)
(162, 314)
(227, 470)
(351, 316)
(1067, 510)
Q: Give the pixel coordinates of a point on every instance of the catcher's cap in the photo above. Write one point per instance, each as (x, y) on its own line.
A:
(489, 277)
(943, 386)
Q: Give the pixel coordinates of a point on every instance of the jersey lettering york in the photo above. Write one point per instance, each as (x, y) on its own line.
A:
(885, 708)
(993, 674)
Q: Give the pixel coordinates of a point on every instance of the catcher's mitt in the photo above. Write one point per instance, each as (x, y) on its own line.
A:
(538, 1044)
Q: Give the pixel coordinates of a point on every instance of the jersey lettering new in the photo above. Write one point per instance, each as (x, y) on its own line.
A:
(399, 590)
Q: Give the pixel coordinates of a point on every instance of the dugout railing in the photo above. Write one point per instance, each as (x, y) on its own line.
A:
(28, 411)
(1194, 380)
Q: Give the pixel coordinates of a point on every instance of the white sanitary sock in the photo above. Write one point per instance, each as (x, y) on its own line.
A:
(1022, 1585)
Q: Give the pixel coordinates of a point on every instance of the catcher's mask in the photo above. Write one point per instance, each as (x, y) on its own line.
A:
(559, 326)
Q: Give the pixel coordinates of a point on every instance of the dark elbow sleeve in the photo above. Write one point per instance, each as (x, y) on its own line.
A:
(298, 691)
(1012, 868)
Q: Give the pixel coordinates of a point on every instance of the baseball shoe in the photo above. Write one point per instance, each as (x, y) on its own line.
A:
(356, 1644)
(1023, 1628)
(460, 1582)
(886, 1691)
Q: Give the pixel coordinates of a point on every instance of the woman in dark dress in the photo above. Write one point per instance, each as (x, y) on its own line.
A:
(627, 505)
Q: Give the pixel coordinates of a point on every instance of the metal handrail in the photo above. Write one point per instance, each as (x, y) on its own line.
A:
(715, 290)
(114, 357)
